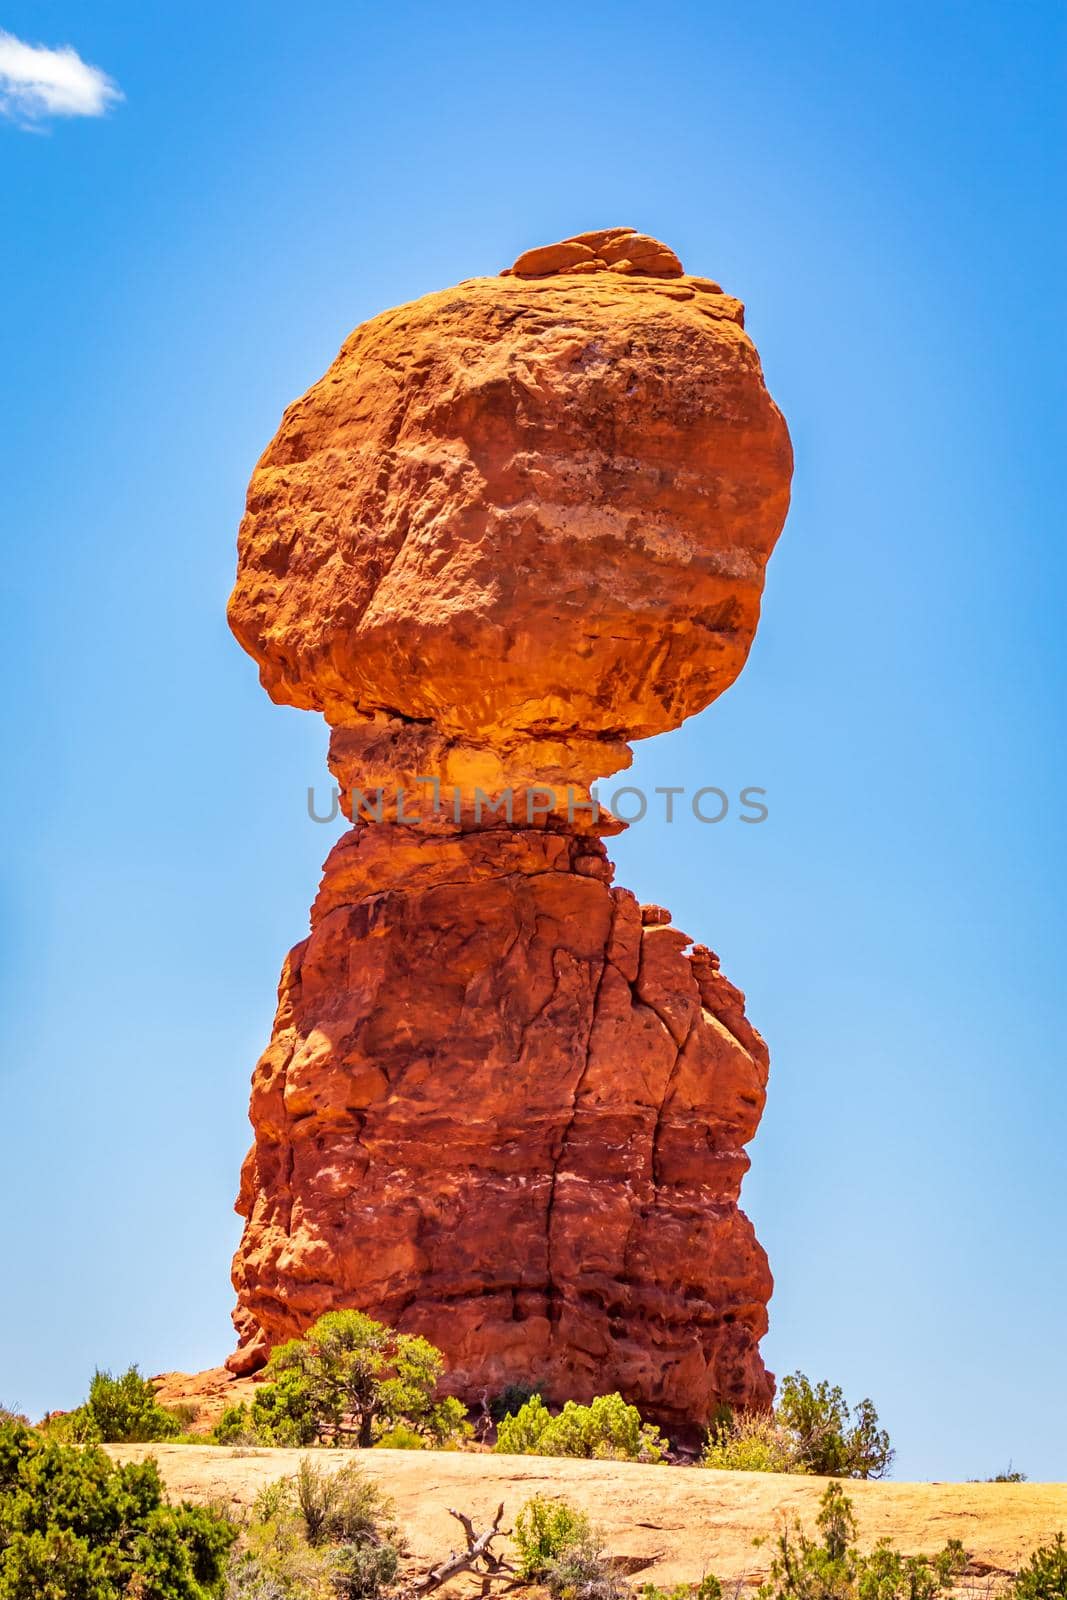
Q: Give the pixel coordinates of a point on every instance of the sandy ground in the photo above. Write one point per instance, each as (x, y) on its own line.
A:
(668, 1523)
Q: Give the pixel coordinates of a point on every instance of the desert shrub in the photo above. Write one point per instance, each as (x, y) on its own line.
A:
(235, 1426)
(445, 1424)
(274, 1500)
(362, 1572)
(559, 1548)
(347, 1381)
(342, 1507)
(544, 1529)
(831, 1439)
(283, 1569)
(122, 1410)
(752, 1441)
(1009, 1475)
(285, 1412)
(274, 1556)
(8, 1414)
(68, 1427)
(1045, 1575)
(247, 1580)
(887, 1575)
(74, 1526)
(519, 1434)
(315, 1495)
(510, 1400)
(125, 1409)
(831, 1568)
(583, 1572)
(317, 1536)
(709, 1588)
(185, 1413)
(400, 1438)
(607, 1428)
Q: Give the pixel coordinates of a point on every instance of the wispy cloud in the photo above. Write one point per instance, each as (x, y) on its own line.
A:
(37, 83)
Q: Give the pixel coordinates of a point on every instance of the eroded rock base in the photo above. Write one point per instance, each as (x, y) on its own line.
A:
(505, 1107)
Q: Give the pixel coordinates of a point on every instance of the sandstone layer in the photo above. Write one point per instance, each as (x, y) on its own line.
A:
(517, 524)
(664, 1525)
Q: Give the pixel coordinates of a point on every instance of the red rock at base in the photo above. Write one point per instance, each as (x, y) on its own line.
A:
(517, 524)
(499, 1111)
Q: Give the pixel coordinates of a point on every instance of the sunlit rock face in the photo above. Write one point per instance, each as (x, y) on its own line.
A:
(516, 525)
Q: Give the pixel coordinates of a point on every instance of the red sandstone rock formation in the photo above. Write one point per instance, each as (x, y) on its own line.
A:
(517, 524)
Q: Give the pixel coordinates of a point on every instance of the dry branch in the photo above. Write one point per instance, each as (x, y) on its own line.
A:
(478, 1549)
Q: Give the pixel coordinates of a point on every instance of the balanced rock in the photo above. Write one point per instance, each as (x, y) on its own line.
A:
(617, 249)
(517, 524)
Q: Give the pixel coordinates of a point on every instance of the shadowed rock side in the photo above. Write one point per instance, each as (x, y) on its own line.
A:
(517, 524)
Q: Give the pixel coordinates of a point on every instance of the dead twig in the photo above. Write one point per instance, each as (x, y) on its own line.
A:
(478, 1550)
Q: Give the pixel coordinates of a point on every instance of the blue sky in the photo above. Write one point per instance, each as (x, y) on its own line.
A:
(883, 187)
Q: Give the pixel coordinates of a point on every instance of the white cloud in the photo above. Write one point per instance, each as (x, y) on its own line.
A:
(37, 83)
